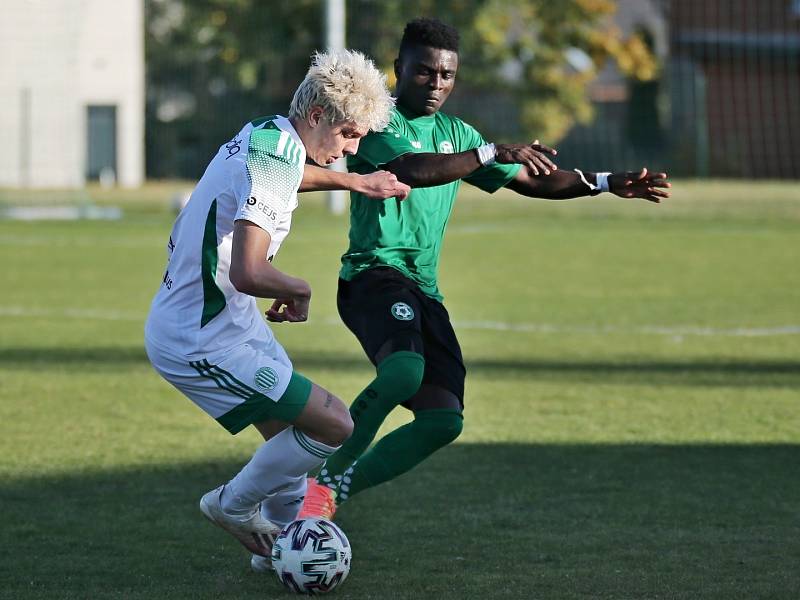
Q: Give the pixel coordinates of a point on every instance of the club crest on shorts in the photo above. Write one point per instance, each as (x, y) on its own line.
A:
(402, 311)
(266, 378)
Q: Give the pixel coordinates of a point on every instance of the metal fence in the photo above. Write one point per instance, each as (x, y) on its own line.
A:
(727, 103)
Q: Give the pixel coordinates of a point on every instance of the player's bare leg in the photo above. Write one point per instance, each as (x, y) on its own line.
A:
(276, 474)
(323, 424)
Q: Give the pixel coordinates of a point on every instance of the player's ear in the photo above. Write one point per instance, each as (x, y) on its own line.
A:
(315, 116)
(397, 68)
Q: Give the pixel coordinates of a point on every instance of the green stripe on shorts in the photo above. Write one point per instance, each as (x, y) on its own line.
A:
(219, 376)
(257, 407)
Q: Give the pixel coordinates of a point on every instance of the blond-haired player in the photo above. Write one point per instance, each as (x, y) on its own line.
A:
(205, 334)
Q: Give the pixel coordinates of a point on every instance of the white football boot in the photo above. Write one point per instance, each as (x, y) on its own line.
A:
(253, 531)
(261, 564)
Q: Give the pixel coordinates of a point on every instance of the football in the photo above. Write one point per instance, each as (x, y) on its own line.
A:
(311, 556)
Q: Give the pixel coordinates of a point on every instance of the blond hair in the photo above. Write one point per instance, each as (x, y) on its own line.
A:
(348, 87)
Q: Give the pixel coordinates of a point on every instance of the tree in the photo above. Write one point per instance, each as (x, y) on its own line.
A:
(212, 64)
(541, 54)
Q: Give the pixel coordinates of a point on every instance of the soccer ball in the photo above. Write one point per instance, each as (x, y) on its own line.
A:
(311, 556)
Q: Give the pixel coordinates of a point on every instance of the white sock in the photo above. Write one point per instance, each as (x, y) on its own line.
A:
(275, 466)
(282, 508)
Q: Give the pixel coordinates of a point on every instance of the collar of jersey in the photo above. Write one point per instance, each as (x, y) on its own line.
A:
(285, 124)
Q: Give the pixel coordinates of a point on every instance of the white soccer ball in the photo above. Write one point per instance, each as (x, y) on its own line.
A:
(311, 556)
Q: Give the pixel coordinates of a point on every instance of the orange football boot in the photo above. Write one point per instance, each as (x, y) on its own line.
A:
(320, 501)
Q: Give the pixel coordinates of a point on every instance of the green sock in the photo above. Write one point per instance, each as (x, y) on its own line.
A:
(401, 450)
(399, 377)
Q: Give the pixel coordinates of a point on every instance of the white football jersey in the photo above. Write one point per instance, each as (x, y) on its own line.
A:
(255, 176)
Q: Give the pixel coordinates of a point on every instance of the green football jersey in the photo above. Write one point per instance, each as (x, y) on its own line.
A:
(407, 235)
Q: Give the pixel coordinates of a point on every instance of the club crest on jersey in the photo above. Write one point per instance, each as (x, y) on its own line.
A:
(402, 311)
(266, 378)
(446, 147)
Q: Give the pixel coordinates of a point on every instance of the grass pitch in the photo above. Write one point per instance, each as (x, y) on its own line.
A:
(632, 420)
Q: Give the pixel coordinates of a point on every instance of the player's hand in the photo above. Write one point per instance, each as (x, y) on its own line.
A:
(535, 157)
(642, 184)
(381, 185)
(291, 310)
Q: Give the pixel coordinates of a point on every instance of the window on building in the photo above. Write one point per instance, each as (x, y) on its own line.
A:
(101, 143)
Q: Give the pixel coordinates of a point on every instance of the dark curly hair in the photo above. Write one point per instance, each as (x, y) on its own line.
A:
(429, 32)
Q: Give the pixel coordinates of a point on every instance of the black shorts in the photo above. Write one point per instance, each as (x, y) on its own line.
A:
(382, 302)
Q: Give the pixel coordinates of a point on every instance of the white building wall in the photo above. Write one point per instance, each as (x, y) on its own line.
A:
(57, 57)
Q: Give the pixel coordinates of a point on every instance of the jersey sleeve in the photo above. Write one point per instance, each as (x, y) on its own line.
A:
(491, 178)
(274, 172)
(381, 147)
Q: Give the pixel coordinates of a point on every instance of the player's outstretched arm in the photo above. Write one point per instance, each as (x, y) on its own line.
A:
(562, 185)
(251, 274)
(535, 157)
(641, 184)
(426, 169)
(378, 185)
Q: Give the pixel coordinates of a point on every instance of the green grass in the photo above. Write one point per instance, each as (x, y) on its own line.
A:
(633, 433)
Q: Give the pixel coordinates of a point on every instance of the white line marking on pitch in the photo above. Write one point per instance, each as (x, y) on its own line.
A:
(646, 329)
(678, 330)
(70, 313)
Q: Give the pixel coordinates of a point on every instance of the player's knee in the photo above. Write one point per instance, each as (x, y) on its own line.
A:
(339, 425)
(402, 373)
(439, 427)
(449, 429)
(344, 427)
(326, 418)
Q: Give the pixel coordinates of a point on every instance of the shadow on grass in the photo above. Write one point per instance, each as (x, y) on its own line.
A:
(707, 372)
(475, 521)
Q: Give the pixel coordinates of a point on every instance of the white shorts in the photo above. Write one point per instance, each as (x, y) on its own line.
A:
(246, 384)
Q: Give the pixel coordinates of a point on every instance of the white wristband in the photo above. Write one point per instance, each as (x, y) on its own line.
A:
(600, 178)
(486, 154)
(602, 181)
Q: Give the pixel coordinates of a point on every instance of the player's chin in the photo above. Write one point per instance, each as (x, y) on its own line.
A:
(430, 108)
